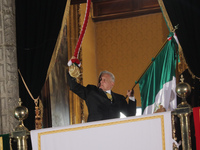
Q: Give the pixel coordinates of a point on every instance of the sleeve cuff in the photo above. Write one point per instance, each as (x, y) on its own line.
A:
(132, 98)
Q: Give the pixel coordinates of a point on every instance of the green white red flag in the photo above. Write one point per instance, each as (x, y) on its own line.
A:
(157, 85)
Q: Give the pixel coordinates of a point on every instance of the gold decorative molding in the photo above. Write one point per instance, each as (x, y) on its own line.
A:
(1, 143)
(73, 29)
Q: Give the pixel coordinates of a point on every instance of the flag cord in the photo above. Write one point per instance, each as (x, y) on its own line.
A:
(34, 99)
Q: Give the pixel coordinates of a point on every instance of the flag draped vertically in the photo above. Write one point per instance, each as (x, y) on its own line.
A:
(157, 85)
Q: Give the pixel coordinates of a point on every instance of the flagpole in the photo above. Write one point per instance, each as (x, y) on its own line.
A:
(176, 27)
(137, 81)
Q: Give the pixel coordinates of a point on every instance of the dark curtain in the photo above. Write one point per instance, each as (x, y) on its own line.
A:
(37, 27)
(186, 13)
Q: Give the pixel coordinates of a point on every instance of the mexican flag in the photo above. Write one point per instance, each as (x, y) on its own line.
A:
(157, 85)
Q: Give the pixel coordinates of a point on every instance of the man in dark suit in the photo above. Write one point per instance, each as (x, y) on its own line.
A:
(100, 106)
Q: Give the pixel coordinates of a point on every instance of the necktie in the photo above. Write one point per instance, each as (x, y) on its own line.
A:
(109, 96)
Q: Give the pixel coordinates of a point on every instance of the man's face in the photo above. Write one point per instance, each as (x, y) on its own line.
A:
(106, 82)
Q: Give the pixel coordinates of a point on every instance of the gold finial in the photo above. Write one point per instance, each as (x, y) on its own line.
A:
(182, 79)
(20, 102)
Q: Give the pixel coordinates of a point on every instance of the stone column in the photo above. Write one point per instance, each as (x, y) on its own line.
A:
(9, 89)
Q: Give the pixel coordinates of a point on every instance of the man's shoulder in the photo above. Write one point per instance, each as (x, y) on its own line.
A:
(90, 86)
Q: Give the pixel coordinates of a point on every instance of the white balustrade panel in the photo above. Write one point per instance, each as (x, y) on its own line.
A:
(146, 132)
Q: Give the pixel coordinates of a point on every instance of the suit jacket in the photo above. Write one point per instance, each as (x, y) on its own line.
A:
(99, 106)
